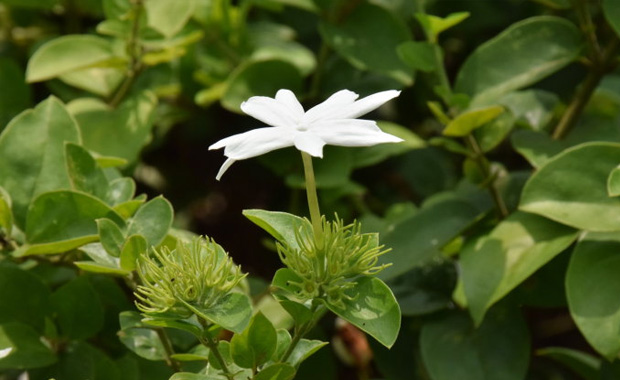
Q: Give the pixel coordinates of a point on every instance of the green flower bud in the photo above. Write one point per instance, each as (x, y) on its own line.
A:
(330, 270)
(198, 273)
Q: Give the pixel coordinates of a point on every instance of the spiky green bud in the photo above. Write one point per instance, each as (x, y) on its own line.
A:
(329, 270)
(197, 273)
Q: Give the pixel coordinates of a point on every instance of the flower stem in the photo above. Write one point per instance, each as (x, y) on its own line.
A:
(301, 331)
(165, 341)
(212, 345)
(313, 200)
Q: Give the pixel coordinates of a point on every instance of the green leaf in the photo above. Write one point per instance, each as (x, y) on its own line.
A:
(300, 313)
(102, 261)
(102, 81)
(66, 54)
(193, 376)
(434, 25)
(534, 108)
(592, 288)
(18, 98)
(372, 155)
(232, 312)
(260, 78)
(116, 9)
(152, 221)
(304, 349)
(285, 280)
(22, 348)
(111, 236)
(280, 225)
(536, 147)
(134, 246)
(466, 122)
(61, 220)
(523, 54)
(190, 326)
(256, 345)
(498, 262)
(368, 39)
(278, 371)
(84, 173)
(498, 350)
(6, 216)
(419, 238)
(611, 9)
(491, 134)
(120, 190)
(373, 309)
(571, 188)
(583, 364)
(78, 309)
(102, 127)
(23, 296)
(418, 55)
(613, 182)
(168, 16)
(32, 154)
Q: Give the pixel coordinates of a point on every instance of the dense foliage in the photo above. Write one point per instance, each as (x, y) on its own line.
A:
(501, 206)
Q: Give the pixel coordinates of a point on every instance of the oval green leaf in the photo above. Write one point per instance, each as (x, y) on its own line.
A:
(523, 54)
(571, 188)
(466, 122)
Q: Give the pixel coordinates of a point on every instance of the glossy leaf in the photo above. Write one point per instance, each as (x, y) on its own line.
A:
(23, 296)
(32, 154)
(78, 308)
(102, 81)
(120, 190)
(21, 348)
(152, 221)
(62, 220)
(491, 134)
(232, 312)
(536, 147)
(132, 248)
(84, 173)
(418, 55)
(571, 188)
(434, 25)
(453, 349)
(592, 286)
(304, 349)
(280, 225)
(420, 237)
(168, 16)
(368, 39)
(102, 127)
(278, 371)
(111, 236)
(523, 54)
(534, 108)
(102, 262)
(66, 54)
(256, 345)
(373, 309)
(500, 261)
(144, 342)
(466, 122)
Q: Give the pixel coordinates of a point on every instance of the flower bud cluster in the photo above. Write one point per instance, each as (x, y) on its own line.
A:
(197, 273)
(329, 269)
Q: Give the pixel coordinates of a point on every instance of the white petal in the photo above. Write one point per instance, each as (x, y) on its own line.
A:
(367, 104)
(270, 111)
(352, 132)
(224, 167)
(255, 142)
(310, 143)
(331, 106)
(288, 98)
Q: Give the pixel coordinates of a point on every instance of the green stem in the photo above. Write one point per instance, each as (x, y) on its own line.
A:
(165, 341)
(485, 168)
(575, 108)
(135, 51)
(588, 28)
(302, 331)
(313, 200)
(212, 345)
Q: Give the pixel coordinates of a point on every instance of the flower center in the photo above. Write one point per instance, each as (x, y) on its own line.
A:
(303, 126)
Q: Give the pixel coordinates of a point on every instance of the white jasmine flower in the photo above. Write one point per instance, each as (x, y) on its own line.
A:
(332, 122)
